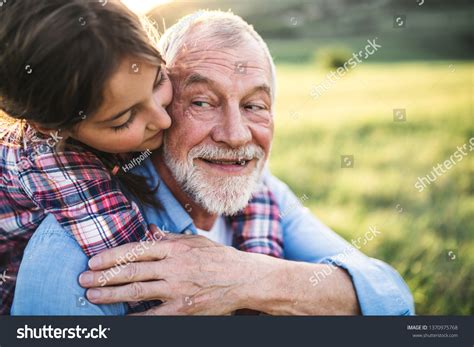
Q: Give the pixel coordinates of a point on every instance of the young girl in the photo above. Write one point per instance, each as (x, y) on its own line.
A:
(84, 94)
(81, 84)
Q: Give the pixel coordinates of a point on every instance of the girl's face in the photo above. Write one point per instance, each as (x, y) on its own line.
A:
(133, 114)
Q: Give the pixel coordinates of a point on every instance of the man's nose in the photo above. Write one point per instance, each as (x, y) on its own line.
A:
(233, 130)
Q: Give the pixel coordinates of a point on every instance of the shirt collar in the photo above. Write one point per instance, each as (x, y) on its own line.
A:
(171, 217)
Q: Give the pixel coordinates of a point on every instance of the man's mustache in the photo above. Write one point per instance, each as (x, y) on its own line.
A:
(211, 152)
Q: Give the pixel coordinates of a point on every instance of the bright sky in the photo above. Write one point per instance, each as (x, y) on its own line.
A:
(143, 6)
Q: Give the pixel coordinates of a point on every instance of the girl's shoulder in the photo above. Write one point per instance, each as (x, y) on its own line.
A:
(27, 153)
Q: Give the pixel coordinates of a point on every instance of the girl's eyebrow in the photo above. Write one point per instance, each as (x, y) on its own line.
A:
(121, 113)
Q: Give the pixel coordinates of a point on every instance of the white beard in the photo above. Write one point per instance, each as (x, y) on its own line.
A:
(219, 194)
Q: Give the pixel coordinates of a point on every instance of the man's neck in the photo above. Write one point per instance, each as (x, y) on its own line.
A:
(201, 218)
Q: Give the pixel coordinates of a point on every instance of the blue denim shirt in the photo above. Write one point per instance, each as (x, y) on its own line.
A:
(47, 282)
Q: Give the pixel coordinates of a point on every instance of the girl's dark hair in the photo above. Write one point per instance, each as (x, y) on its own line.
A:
(56, 57)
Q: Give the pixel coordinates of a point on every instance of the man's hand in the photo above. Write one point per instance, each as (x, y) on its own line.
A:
(190, 274)
(193, 275)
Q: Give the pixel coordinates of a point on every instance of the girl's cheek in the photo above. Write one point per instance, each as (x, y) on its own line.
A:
(169, 94)
(129, 139)
(113, 142)
(108, 140)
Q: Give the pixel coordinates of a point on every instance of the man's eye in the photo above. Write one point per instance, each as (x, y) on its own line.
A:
(255, 107)
(201, 104)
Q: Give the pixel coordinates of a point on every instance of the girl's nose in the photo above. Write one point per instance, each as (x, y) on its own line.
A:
(152, 127)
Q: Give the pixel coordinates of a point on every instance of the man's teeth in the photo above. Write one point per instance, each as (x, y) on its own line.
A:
(242, 162)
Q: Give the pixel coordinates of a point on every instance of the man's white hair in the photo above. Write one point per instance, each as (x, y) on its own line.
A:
(224, 30)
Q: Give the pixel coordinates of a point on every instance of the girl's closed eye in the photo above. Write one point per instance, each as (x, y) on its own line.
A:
(126, 125)
(160, 80)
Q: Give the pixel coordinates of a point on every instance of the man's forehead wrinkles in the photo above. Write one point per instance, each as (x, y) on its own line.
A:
(206, 50)
(219, 67)
(229, 56)
(213, 63)
(208, 63)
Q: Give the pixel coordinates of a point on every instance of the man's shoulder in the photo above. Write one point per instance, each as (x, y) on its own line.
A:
(49, 226)
(276, 185)
(291, 205)
(282, 192)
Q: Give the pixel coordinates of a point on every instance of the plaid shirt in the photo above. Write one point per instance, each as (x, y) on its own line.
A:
(36, 179)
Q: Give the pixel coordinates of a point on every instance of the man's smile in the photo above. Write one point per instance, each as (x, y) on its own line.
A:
(237, 166)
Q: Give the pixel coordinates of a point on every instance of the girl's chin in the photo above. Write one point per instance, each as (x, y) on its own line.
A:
(152, 147)
(147, 146)
(141, 150)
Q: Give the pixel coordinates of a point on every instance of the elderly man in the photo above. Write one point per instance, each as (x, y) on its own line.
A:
(212, 162)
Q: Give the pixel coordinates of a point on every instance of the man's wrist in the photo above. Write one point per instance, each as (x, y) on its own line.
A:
(283, 287)
(263, 277)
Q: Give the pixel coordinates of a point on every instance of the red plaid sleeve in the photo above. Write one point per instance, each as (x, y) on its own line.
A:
(79, 191)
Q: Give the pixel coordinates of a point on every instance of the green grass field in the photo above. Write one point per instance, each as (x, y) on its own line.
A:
(427, 236)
